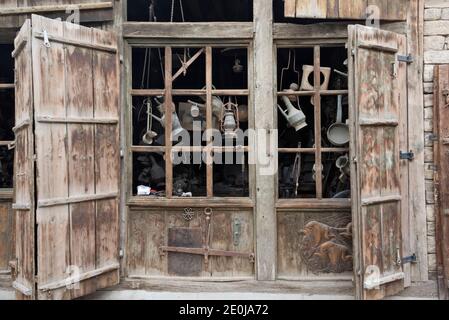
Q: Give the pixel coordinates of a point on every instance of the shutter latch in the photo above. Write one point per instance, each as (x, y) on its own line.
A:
(406, 59)
(410, 259)
(46, 41)
(407, 155)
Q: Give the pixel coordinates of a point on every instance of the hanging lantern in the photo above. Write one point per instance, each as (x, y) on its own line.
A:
(230, 119)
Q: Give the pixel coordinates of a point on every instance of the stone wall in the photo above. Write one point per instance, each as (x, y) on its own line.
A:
(436, 51)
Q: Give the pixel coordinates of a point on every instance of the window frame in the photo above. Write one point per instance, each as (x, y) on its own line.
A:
(7, 192)
(208, 45)
(318, 202)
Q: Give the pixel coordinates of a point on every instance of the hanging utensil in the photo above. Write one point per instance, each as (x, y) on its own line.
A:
(148, 137)
(338, 133)
(290, 65)
(295, 118)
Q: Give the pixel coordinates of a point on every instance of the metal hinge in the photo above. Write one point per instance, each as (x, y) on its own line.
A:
(410, 259)
(407, 155)
(407, 58)
(433, 137)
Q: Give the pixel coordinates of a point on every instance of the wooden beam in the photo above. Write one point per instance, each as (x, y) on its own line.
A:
(201, 202)
(168, 123)
(183, 30)
(55, 8)
(266, 173)
(441, 116)
(317, 97)
(209, 125)
(418, 224)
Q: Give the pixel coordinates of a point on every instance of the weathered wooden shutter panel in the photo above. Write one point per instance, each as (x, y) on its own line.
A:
(441, 146)
(24, 209)
(76, 110)
(378, 103)
(347, 9)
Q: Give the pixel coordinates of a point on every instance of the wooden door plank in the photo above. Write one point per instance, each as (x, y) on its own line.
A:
(418, 243)
(441, 120)
(290, 8)
(311, 9)
(24, 168)
(107, 156)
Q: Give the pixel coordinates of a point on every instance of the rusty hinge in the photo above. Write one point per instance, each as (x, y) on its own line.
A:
(407, 155)
(405, 58)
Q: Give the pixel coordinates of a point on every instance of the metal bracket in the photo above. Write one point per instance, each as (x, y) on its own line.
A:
(407, 155)
(406, 59)
(236, 231)
(11, 145)
(433, 137)
(410, 259)
(46, 41)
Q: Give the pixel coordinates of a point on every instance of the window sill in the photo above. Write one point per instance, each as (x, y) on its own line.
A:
(190, 202)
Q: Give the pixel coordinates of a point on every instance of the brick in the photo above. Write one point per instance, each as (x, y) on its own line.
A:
(432, 14)
(428, 87)
(436, 28)
(431, 228)
(430, 213)
(444, 14)
(434, 42)
(428, 100)
(432, 260)
(436, 57)
(428, 125)
(428, 155)
(428, 72)
(428, 113)
(431, 245)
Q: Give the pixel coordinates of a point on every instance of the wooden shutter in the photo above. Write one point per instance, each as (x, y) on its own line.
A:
(77, 157)
(378, 104)
(441, 146)
(23, 267)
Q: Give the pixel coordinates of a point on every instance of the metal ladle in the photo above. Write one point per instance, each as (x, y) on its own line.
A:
(338, 133)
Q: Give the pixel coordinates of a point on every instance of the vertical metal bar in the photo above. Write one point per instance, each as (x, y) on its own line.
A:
(210, 169)
(317, 97)
(168, 104)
